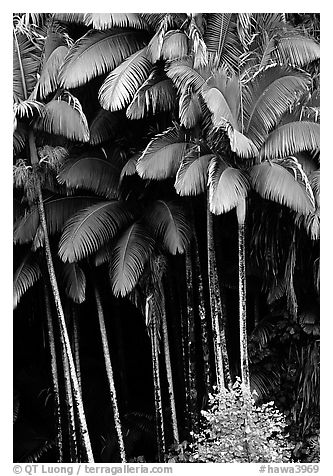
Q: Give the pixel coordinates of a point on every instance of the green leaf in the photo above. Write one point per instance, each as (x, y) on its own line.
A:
(297, 50)
(105, 21)
(26, 275)
(291, 138)
(241, 145)
(57, 211)
(228, 186)
(169, 225)
(192, 175)
(48, 81)
(129, 256)
(120, 86)
(91, 173)
(64, 119)
(174, 46)
(26, 64)
(75, 282)
(274, 182)
(162, 155)
(185, 77)
(96, 53)
(91, 228)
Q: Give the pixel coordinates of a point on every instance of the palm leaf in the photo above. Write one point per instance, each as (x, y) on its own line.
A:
(130, 167)
(96, 53)
(91, 173)
(291, 138)
(297, 50)
(169, 225)
(268, 97)
(189, 109)
(155, 95)
(120, 86)
(64, 119)
(26, 64)
(128, 258)
(274, 182)
(26, 275)
(91, 228)
(19, 137)
(222, 38)
(105, 21)
(57, 211)
(227, 186)
(191, 178)
(163, 154)
(174, 46)
(241, 145)
(75, 282)
(185, 77)
(104, 126)
(69, 17)
(48, 81)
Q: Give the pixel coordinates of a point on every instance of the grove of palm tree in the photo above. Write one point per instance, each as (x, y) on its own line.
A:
(166, 237)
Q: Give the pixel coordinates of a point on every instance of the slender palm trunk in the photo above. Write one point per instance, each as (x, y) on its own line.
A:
(245, 374)
(73, 449)
(109, 372)
(54, 372)
(151, 317)
(169, 374)
(214, 310)
(84, 435)
(76, 345)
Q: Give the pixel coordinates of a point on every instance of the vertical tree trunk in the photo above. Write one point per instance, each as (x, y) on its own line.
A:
(76, 346)
(169, 374)
(73, 449)
(84, 435)
(54, 373)
(245, 374)
(109, 373)
(151, 317)
(213, 291)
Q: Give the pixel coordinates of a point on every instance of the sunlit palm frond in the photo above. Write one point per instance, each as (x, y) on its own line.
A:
(199, 47)
(155, 95)
(275, 182)
(163, 154)
(169, 225)
(91, 173)
(96, 53)
(48, 81)
(28, 109)
(297, 50)
(241, 145)
(222, 38)
(120, 86)
(227, 186)
(69, 17)
(104, 126)
(268, 97)
(25, 276)
(105, 21)
(291, 138)
(129, 256)
(64, 118)
(191, 178)
(74, 281)
(57, 211)
(189, 109)
(130, 167)
(184, 76)
(90, 228)
(175, 45)
(26, 64)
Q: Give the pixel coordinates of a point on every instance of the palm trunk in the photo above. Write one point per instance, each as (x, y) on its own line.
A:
(73, 449)
(169, 374)
(214, 310)
(245, 374)
(54, 372)
(84, 435)
(191, 368)
(151, 317)
(109, 373)
(76, 346)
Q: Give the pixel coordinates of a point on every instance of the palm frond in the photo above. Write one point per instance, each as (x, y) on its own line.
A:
(104, 126)
(120, 86)
(26, 275)
(268, 97)
(184, 76)
(222, 39)
(130, 167)
(155, 95)
(28, 109)
(96, 53)
(175, 45)
(19, 137)
(163, 154)
(105, 21)
(129, 255)
(64, 118)
(48, 81)
(57, 211)
(189, 109)
(89, 229)
(75, 282)
(26, 63)
(191, 178)
(274, 182)
(241, 145)
(297, 50)
(227, 186)
(69, 17)
(199, 47)
(169, 225)
(291, 138)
